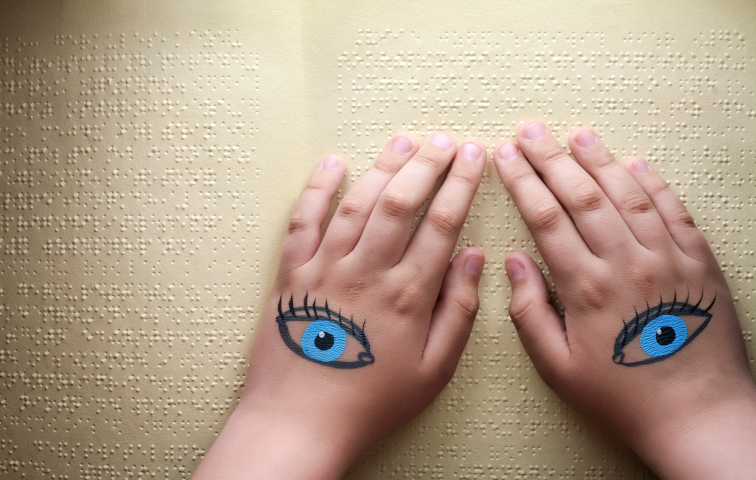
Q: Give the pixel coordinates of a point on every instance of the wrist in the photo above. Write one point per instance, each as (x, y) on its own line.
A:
(711, 439)
(267, 445)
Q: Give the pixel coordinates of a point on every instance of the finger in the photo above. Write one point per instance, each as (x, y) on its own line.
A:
(303, 238)
(454, 313)
(595, 217)
(632, 203)
(432, 245)
(678, 222)
(353, 211)
(541, 331)
(557, 239)
(388, 229)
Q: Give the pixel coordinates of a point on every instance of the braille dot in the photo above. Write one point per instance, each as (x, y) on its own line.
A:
(137, 219)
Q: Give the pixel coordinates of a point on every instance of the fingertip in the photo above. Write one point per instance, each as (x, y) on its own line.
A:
(477, 141)
(473, 149)
(470, 151)
(515, 267)
(474, 261)
(575, 130)
(507, 150)
(582, 138)
(637, 165)
(474, 251)
(442, 140)
(531, 131)
(524, 274)
(403, 143)
(523, 124)
(331, 162)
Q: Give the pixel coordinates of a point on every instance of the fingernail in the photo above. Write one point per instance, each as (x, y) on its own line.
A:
(640, 165)
(401, 146)
(509, 151)
(331, 162)
(586, 139)
(441, 141)
(470, 151)
(534, 131)
(474, 266)
(515, 269)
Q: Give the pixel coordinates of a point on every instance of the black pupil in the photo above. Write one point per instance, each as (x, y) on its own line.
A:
(665, 336)
(324, 340)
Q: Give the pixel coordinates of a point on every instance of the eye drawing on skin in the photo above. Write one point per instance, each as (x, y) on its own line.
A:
(324, 335)
(661, 332)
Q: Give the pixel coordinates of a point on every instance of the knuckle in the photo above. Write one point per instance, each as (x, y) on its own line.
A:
(635, 203)
(385, 167)
(546, 217)
(605, 161)
(520, 309)
(644, 279)
(465, 181)
(315, 185)
(357, 287)
(682, 218)
(425, 160)
(592, 292)
(406, 301)
(469, 305)
(396, 204)
(660, 187)
(587, 198)
(553, 155)
(352, 207)
(522, 175)
(298, 222)
(444, 221)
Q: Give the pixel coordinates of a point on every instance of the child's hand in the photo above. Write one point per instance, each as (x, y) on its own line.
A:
(650, 344)
(365, 327)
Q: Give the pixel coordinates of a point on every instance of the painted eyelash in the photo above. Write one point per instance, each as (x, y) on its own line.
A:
(632, 329)
(314, 312)
(641, 320)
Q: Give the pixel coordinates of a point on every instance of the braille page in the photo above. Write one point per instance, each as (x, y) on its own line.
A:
(152, 152)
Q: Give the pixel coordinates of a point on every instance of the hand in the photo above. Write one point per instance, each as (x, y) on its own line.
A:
(650, 344)
(393, 315)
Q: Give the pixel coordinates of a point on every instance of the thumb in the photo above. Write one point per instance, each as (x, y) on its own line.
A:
(454, 314)
(541, 330)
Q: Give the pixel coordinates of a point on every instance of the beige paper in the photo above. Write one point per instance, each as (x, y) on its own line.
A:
(152, 152)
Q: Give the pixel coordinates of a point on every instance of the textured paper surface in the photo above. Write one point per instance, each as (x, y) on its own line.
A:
(152, 152)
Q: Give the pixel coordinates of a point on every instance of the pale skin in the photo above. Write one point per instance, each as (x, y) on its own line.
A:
(300, 419)
(630, 241)
(613, 238)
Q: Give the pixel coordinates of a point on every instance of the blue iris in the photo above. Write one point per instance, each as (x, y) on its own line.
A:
(664, 335)
(324, 341)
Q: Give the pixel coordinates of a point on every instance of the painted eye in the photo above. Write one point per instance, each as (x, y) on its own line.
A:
(659, 332)
(323, 341)
(663, 335)
(325, 336)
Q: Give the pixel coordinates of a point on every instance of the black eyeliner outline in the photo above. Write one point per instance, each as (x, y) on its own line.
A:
(324, 314)
(638, 323)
